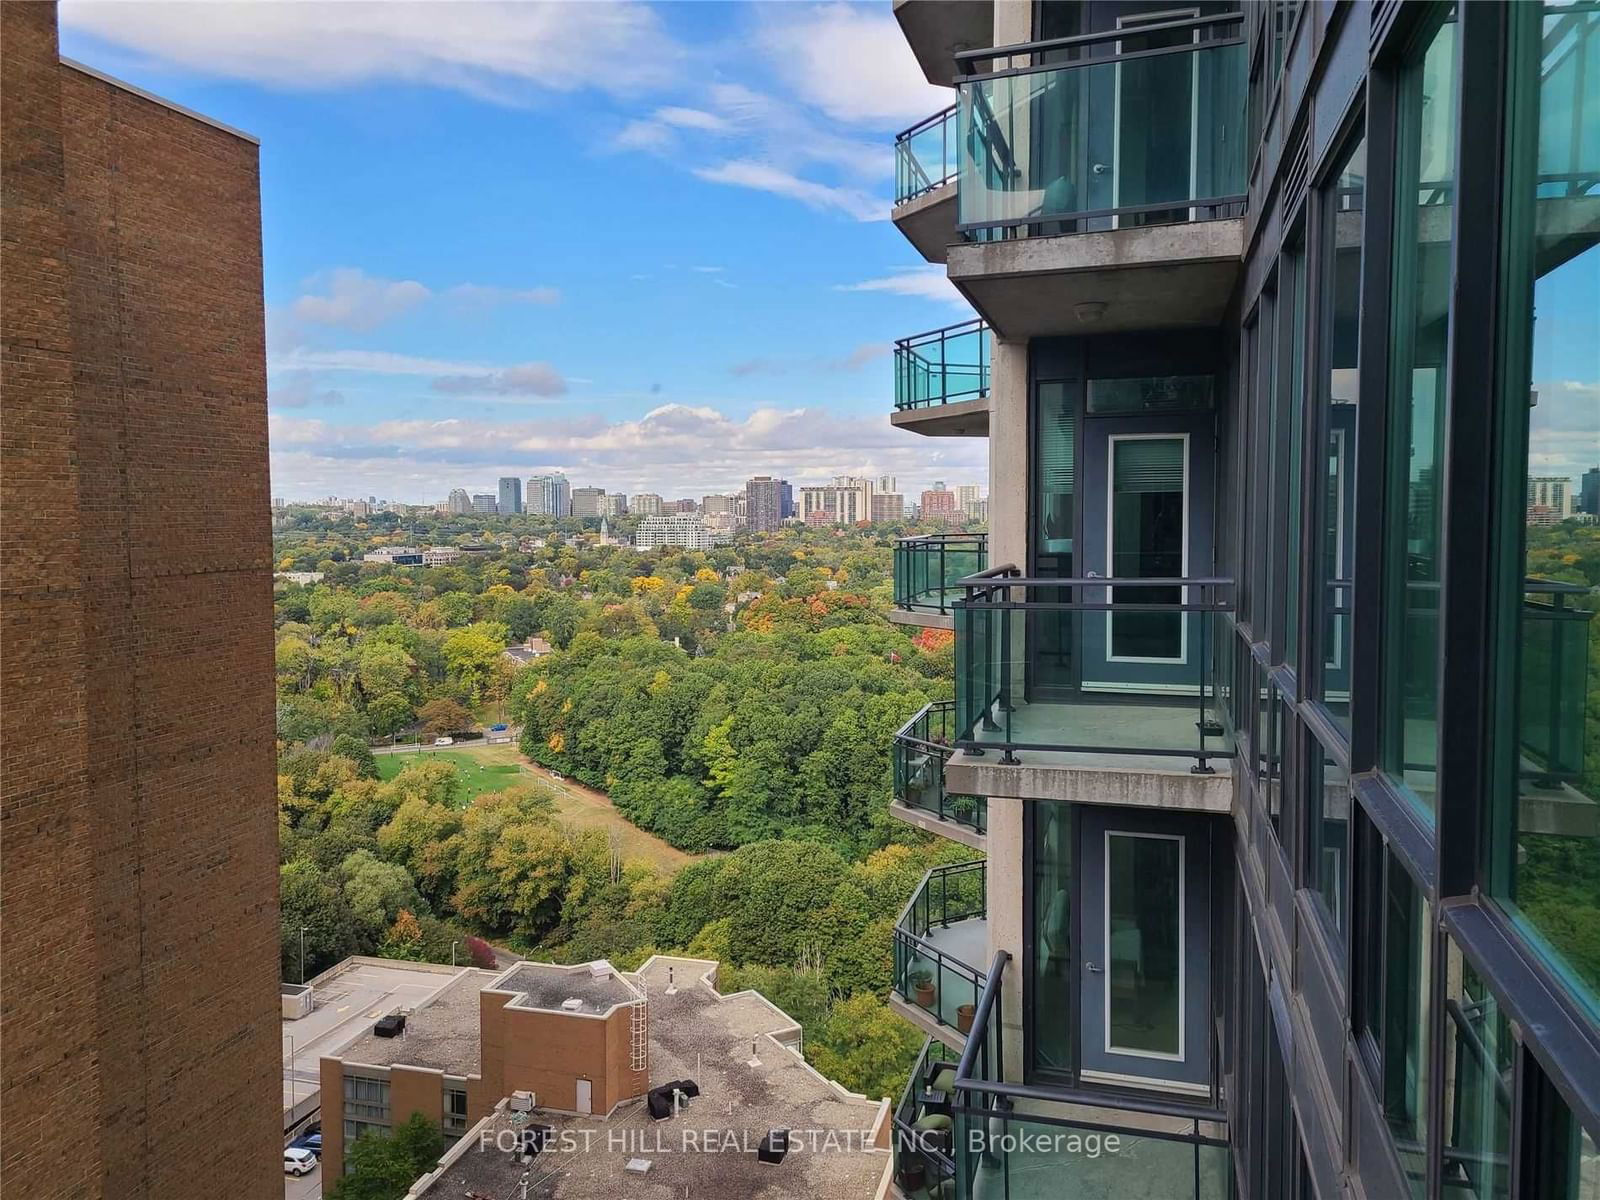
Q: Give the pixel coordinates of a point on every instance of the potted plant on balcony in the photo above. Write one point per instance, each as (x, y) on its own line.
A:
(922, 987)
(964, 1017)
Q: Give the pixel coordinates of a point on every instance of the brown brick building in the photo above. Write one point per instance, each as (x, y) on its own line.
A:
(137, 816)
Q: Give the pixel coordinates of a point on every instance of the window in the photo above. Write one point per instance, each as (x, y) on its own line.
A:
(1341, 211)
(354, 1129)
(1392, 998)
(1478, 1056)
(1327, 835)
(1419, 336)
(1290, 421)
(1149, 496)
(1547, 637)
(1563, 1155)
(1056, 467)
(366, 1098)
(1053, 1011)
(455, 1112)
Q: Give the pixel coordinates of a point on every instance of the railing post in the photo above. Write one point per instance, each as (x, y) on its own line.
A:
(1203, 724)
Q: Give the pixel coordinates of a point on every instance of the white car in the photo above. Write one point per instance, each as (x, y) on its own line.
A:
(444, 741)
(299, 1162)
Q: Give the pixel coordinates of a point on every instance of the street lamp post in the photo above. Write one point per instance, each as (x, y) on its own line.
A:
(453, 946)
(294, 1094)
(303, 930)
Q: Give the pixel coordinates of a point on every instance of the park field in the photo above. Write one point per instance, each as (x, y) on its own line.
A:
(496, 768)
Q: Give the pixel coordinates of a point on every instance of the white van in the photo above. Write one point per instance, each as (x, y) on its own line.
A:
(298, 1162)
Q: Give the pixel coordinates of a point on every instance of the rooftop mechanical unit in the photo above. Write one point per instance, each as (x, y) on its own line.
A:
(773, 1147)
(390, 1026)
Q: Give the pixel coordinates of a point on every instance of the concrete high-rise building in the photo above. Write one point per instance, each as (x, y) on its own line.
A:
(938, 503)
(1589, 492)
(763, 501)
(588, 502)
(687, 530)
(888, 506)
(509, 501)
(485, 503)
(843, 502)
(549, 495)
(1270, 867)
(716, 503)
(615, 505)
(646, 504)
(459, 503)
(138, 858)
(968, 497)
(888, 483)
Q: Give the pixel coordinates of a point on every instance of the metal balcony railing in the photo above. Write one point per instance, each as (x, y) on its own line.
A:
(1093, 666)
(928, 570)
(999, 1150)
(921, 748)
(941, 931)
(1143, 125)
(942, 366)
(925, 156)
(922, 1147)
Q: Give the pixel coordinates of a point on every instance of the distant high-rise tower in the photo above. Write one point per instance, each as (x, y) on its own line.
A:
(549, 495)
(459, 503)
(510, 499)
(485, 503)
(763, 502)
(1589, 492)
(588, 502)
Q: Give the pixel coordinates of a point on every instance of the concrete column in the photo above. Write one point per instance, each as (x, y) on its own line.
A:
(1013, 22)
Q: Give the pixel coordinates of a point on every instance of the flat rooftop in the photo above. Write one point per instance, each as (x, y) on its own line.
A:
(707, 1149)
(546, 986)
(441, 1032)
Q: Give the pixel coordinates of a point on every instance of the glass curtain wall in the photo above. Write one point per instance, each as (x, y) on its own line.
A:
(1419, 337)
(1547, 644)
(1054, 1013)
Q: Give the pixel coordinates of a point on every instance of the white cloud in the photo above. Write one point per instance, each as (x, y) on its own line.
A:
(498, 50)
(482, 295)
(693, 118)
(352, 299)
(298, 389)
(376, 362)
(674, 449)
(929, 282)
(766, 178)
(526, 379)
(850, 61)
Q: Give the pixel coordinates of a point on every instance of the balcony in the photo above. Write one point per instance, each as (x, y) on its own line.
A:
(1034, 1143)
(924, 184)
(921, 748)
(937, 29)
(1112, 690)
(923, 1125)
(927, 576)
(941, 381)
(941, 932)
(1102, 183)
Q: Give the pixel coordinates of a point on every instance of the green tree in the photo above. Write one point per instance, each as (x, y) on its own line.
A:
(379, 1167)
(864, 1046)
(440, 717)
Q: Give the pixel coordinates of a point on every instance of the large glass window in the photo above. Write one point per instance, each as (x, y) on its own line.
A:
(1144, 944)
(1564, 1159)
(1327, 835)
(1392, 998)
(1419, 336)
(1342, 211)
(1148, 528)
(1057, 420)
(1290, 422)
(1478, 1056)
(1052, 1010)
(1547, 693)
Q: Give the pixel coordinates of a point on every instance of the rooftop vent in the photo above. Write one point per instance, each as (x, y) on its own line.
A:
(522, 1102)
(639, 1166)
(600, 969)
(773, 1147)
(390, 1026)
(572, 1005)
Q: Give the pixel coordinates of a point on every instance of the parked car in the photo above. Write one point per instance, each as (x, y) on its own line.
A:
(308, 1141)
(444, 741)
(298, 1161)
(500, 728)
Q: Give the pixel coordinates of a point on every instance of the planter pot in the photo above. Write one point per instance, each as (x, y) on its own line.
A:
(913, 1175)
(925, 994)
(964, 1017)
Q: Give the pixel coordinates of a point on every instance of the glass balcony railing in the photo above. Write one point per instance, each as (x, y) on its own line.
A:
(1016, 1140)
(928, 570)
(940, 934)
(921, 748)
(1094, 667)
(943, 366)
(1143, 125)
(925, 156)
(1554, 681)
(923, 1125)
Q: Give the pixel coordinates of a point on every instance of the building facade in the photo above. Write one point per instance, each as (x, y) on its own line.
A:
(588, 502)
(138, 868)
(1269, 710)
(549, 495)
(459, 502)
(940, 504)
(687, 530)
(764, 503)
(509, 500)
(485, 503)
(646, 504)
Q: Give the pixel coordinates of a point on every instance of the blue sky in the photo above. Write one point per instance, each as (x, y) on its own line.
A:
(645, 244)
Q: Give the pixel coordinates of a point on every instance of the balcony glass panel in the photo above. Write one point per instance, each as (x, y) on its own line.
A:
(1145, 128)
(925, 156)
(943, 366)
(940, 937)
(927, 570)
(1097, 668)
(924, 1126)
(921, 748)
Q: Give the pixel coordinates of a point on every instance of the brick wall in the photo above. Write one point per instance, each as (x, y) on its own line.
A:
(140, 831)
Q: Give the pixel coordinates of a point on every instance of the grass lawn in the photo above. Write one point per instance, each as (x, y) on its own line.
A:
(496, 768)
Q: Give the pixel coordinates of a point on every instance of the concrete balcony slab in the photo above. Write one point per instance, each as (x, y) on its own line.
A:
(936, 29)
(964, 418)
(929, 221)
